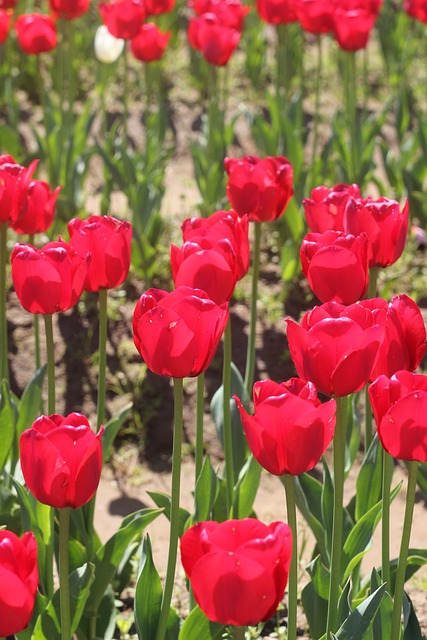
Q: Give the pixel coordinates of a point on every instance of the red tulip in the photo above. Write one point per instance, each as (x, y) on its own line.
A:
(14, 180)
(316, 16)
(335, 347)
(156, 7)
(36, 33)
(36, 209)
(214, 40)
(231, 13)
(150, 43)
(207, 266)
(49, 279)
(290, 429)
(18, 581)
(260, 188)
(5, 20)
(123, 18)
(277, 11)
(399, 405)
(69, 9)
(8, 4)
(61, 460)
(222, 225)
(108, 241)
(178, 333)
(336, 265)
(354, 20)
(247, 563)
(416, 9)
(404, 343)
(324, 210)
(385, 225)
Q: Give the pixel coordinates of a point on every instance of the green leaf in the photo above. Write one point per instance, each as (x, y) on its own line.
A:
(246, 488)
(327, 505)
(369, 479)
(359, 621)
(30, 403)
(198, 627)
(381, 627)
(319, 575)
(112, 428)
(148, 595)
(205, 492)
(316, 611)
(163, 501)
(353, 431)
(344, 603)
(412, 629)
(308, 496)
(8, 417)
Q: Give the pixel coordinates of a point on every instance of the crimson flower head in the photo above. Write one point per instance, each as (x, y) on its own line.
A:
(156, 7)
(231, 13)
(404, 343)
(222, 225)
(399, 405)
(49, 279)
(8, 4)
(216, 41)
(5, 21)
(69, 9)
(290, 429)
(276, 11)
(324, 210)
(150, 43)
(336, 265)
(36, 33)
(247, 563)
(316, 16)
(61, 460)
(108, 241)
(335, 347)
(259, 187)
(178, 333)
(18, 581)
(207, 265)
(354, 20)
(123, 18)
(36, 209)
(385, 224)
(14, 181)
(416, 9)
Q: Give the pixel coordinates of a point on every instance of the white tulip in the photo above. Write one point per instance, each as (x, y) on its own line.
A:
(107, 47)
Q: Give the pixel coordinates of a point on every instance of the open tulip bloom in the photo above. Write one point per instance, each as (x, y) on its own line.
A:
(324, 209)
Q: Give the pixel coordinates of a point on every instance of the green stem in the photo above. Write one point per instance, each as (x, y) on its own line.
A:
(50, 364)
(3, 293)
(125, 93)
(403, 555)
(239, 633)
(49, 584)
(351, 111)
(336, 554)
(250, 355)
(316, 109)
(64, 577)
(373, 282)
(385, 521)
(100, 411)
(174, 509)
(199, 423)
(282, 77)
(228, 442)
(289, 483)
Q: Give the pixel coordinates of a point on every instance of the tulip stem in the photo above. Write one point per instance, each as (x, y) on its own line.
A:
(239, 633)
(199, 424)
(64, 578)
(316, 117)
(102, 366)
(174, 509)
(339, 442)
(289, 483)
(351, 105)
(227, 437)
(250, 355)
(48, 323)
(385, 524)
(403, 555)
(3, 319)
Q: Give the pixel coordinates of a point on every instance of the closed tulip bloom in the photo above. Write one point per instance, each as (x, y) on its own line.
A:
(222, 225)
(399, 405)
(231, 13)
(178, 333)
(8, 4)
(354, 20)
(336, 265)
(108, 241)
(107, 47)
(404, 343)
(5, 21)
(61, 460)
(290, 429)
(123, 18)
(50, 279)
(276, 11)
(335, 347)
(14, 180)
(156, 7)
(247, 563)
(36, 209)
(416, 9)
(36, 33)
(385, 224)
(18, 581)
(316, 16)
(324, 210)
(69, 9)
(214, 40)
(150, 43)
(259, 187)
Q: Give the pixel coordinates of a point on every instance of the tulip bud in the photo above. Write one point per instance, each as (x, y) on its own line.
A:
(107, 48)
